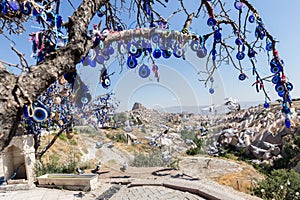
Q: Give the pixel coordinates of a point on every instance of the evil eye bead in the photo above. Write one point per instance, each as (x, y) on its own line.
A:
(85, 61)
(269, 46)
(177, 52)
(3, 8)
(260, 32)
(100, 14)
(13, 5)
(266, 105)
(144, 71)
(276, 69)
(202, 52)
(240, 55)
(26, 8)
(211, 90)
(238, 41)
(217, 36)
(251, 19)
(121, 48)
(167, 53)
(100, 59)
(289, 86)
(110, 50)
(92, 63)
(155, 38)
(211, 21)
(251, 53)
(281, 94)
(84, 100)
(132, 48)
(157, 53)
(276, 79)
(211, 79)
(138, 53)
(107, 82)
(238, 5)
(242, 76)
(279, 88)
(131, 62)
(194, 45)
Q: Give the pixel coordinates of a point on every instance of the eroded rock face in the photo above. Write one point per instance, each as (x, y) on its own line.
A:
(137, 106)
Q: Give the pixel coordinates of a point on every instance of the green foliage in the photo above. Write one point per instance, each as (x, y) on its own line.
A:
(280, 184)
(62, 137)
(121, 138)
(187, 135)
(197, 150)
(153, 159)
(53, 167)
(73, 142)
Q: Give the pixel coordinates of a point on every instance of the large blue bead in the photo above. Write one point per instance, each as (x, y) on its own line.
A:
(131, 62)
(157, 53)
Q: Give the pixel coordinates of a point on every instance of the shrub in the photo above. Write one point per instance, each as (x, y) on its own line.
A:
(280, 184)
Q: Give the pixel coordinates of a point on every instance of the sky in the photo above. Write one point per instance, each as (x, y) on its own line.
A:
(179, 85)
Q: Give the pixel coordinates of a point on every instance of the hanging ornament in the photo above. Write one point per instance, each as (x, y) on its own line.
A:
(218, 36)
(131, 62)
(167, 53)
(156, 53)
(287, 123)
(26, 8)
(144, 71)
(238, 41)
(251, 19)
(266, 104)
(279, 88)
(13, 5)
(155, 38)
(240, 55)
(276, 79)
(202, 52)
(260, 32)
(242, 76)
(289, 86)
(194, 45)
(211, 21)
(238, 5)
(211, 90)
(177, 52)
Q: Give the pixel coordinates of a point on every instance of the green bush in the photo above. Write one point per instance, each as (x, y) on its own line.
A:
(280, 184)
(153, 159)
(187, 135)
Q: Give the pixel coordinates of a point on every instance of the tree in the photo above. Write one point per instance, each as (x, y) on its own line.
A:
(22, 90)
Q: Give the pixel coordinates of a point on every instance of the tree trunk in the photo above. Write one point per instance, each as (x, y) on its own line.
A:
(15, 91)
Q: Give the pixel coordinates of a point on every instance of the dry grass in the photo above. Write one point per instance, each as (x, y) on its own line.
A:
(242, 181)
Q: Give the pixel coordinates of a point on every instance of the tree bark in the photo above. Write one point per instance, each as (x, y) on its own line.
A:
(15, 91)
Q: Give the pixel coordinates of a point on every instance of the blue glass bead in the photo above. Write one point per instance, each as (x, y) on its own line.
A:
(281, 94)
(217, 36)
(276, 79)
(287, 123)
(260, 32)
(26, 8)
(194, 45)
(106, 82)
(3, 8)
(251, 53)
(14, 5)
(138, 53)
(85, 61)
(110, 50)
(132, 48)
(100, 59)
(211, 21)
(240, 55)
(251, 19)
(167, 53)
(211, 79)
(211, 90)
(202, 52)
(131, 62)
(269, 46)
(238, 5)
(214, 57)
(279, 88)
(276, 69)
(84, 100)
(144, 71)
(92, 63)
(155, 38)
(177, 52)
(266, 105)
(242, 76)
(214, 52)
(35, 12)
(59, 21)
(238, 41)
(156, 53)
(121, 48)
(289, 86)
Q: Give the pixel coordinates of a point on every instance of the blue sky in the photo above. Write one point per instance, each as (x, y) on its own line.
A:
(179, 85)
